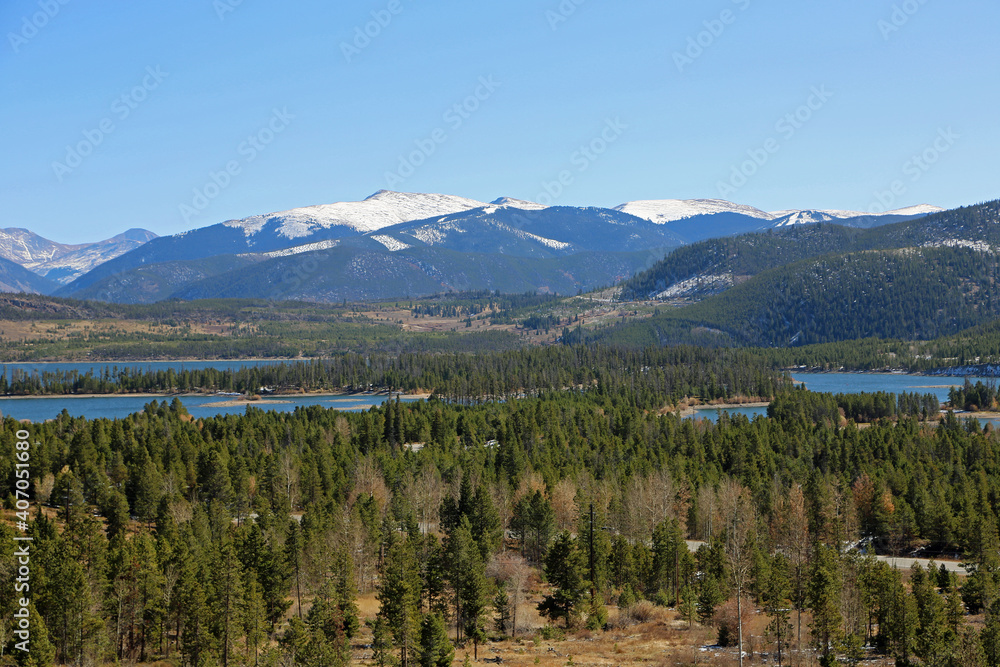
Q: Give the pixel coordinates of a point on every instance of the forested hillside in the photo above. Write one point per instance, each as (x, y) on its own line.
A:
(909, 294)
(740, 257)
(250, 539)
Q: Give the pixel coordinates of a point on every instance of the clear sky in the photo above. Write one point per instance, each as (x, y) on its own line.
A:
(175, 115)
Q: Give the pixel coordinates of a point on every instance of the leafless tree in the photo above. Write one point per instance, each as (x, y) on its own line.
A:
(503, 499)
(514, 572)
(737, 509)
(791, 536)
(648, 501)
(369, 481)
(563, 499)
(426, 492)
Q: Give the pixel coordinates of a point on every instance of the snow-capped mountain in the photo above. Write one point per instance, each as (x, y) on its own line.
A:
(414, 227)
(382, 209)
(517, 203)
(807, 217)
(699, 219)
(663, 211)
(512, 229)
(666, 211)
(63, 262)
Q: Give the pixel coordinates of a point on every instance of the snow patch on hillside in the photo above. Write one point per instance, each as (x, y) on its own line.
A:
(713, 282)
(979, 246)
(299, 249)
(437, 231)
(392, 244)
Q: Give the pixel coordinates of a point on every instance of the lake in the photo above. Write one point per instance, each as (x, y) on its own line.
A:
(856, 383)
(40, 409)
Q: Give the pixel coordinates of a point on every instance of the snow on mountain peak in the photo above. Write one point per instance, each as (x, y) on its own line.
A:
(662, 211)
(382, 209)
(518, 203)
(919, 209)
(796, 217)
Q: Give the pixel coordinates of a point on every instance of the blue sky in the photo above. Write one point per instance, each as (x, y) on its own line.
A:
(174, 115)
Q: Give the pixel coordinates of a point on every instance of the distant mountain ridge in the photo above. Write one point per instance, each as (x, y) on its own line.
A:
(714, 265)
(410, 223)
(382, 209)
(913, 280)
(63, 262)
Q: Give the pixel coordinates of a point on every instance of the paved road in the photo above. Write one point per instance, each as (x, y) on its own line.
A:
(903, 563)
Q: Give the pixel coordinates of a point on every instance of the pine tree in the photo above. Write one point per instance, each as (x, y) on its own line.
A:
(227, 599)
(468, 581)
(253, 616)
(399, 596)
(991, 635)
(435, 649)
(39, 649)
(899, 618)
(969, 650)
(775, 593)
(345, 593)
(709, 598)
(382, 643)
(934, 636)
(824, 599)
(564, 569)
(501, 605)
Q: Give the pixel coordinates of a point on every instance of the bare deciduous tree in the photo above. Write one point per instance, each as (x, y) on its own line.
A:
(649, 501)
(791, 536)
(563, 499)
(737, 510)
(514, 572)
(369, 481)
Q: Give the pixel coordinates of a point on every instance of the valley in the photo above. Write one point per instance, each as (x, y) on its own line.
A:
(359, 473)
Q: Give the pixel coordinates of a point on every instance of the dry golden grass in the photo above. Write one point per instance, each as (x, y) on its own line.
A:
(659, 639)
(58, 330)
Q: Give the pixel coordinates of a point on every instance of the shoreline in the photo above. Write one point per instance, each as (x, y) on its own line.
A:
(161, 360)
(692, 410)
(272, 398)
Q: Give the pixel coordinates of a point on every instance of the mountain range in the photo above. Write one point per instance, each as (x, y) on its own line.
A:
(911, 280)
(60, 262)
(395, 244)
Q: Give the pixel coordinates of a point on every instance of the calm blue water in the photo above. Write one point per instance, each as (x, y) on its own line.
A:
(40, 409)
(713, 414)
(856, 383)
